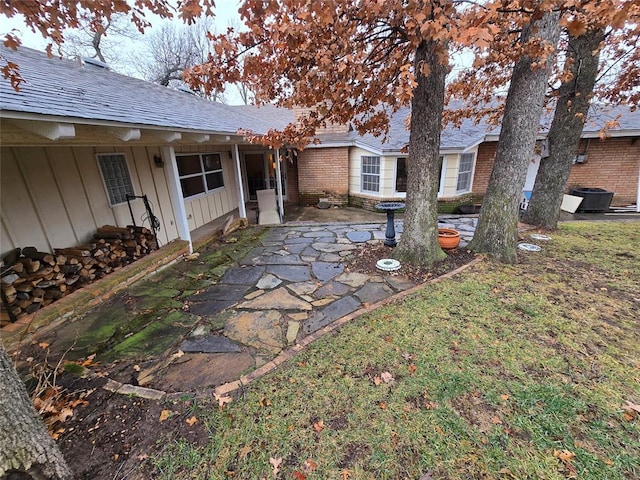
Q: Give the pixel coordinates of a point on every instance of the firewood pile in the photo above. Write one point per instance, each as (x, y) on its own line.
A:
(32, 279)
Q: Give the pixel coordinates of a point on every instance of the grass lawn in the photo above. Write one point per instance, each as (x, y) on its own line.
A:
(502, 372)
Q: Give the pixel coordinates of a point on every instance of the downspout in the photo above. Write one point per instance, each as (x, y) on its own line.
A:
(241, 208)
(175, 194)
(279, 182)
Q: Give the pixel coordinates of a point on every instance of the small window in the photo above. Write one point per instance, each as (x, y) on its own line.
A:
(401, 175)
(465, 172)
(370, 174)
(115, 175)
(200, 173)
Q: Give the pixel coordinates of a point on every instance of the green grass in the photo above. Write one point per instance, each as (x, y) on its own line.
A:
(494, 370)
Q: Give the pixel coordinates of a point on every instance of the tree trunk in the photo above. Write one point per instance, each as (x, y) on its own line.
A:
(497, 230)
(419, 243)
(26, 449)
(583, 55)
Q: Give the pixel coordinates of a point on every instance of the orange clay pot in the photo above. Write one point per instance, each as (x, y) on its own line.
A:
(448, 238)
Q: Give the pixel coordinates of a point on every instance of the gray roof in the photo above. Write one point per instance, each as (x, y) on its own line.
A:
(469, 134)
(65, 88)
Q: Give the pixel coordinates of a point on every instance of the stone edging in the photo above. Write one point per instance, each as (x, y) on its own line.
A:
(271, 365)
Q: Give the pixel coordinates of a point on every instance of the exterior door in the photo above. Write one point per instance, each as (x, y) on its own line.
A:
(260, 173)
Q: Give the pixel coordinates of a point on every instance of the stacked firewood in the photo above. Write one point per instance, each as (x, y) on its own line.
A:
(32, 279)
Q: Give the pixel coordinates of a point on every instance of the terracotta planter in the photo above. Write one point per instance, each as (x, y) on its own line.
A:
(448, 238)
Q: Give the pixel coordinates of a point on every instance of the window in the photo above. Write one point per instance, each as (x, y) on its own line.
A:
(199, 173)
(465, 173)
(115, 174)
(370, 174)
(401, 175)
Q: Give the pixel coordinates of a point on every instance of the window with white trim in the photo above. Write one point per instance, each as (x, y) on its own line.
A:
(370, 174)
(116, 177)
(199, 173)
(465, 173)
(401, 175)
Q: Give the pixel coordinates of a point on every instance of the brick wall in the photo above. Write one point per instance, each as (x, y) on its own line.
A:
(328, 128)
(323, 173)
(611, 164)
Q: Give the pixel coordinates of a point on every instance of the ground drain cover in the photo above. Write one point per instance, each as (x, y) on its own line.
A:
(388, 264)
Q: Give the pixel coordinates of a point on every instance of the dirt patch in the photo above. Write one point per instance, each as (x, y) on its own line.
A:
(364, 260)
(115, 436)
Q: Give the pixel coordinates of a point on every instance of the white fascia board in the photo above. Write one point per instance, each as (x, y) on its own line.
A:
(13, 115)
(612, 133)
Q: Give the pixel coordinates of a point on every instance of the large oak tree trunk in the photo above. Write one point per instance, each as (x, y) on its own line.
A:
(583, 54)
(26, 449)
(497, 230)
(419, 243)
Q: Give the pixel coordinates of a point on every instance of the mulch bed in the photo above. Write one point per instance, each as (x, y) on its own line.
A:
(364, 260)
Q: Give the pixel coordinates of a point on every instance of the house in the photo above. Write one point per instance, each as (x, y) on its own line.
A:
(82, 146)
(348, 168)
(77, 139)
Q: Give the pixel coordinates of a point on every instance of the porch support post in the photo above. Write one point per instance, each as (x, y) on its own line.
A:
(241, 208)
(175, 193)
(279, 181)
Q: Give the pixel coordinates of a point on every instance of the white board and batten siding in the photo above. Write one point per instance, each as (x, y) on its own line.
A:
(202, 209)
(54, 197)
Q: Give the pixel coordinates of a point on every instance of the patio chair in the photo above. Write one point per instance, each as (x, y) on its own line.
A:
(267, 208)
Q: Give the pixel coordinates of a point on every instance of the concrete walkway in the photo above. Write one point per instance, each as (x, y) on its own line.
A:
(288, 287)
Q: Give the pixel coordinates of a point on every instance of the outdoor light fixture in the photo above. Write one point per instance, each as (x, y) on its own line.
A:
(157, 159)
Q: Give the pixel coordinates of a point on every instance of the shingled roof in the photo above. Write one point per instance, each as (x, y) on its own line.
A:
(69, 90)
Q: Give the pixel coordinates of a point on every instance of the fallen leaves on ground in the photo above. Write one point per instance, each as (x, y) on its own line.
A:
(276, 462)
(164, 415)
(318, 426)
(566, 457)
(191, 421)
(222, 399)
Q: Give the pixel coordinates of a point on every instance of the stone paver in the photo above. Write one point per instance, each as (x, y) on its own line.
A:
(325, 271)
(373, 292)
(210, 344)
(221, 292)
(291, 285)
(259, 329)
(243, 275)
(211, 308)
(331, 312)
(268, 282)
(331, 289)
(278, 299)
(291, 273)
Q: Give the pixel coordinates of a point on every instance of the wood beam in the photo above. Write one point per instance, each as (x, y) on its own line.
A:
(124, 134)
(196, 137)
(166, 136)
(50, 130)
